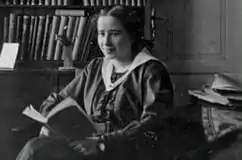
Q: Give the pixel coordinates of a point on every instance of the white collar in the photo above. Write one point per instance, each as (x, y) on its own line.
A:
(107, 66)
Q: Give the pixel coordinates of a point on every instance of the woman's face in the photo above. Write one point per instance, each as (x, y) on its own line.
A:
(113, 39)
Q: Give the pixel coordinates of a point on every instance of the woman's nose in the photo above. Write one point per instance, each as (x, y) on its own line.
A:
(107, 39)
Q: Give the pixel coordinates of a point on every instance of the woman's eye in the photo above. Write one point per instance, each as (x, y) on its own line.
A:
(115, 33)
(101, 33)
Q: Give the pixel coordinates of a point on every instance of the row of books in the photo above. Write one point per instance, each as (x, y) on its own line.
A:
(37, 36)
(113, 2)
(221, 105)
(39, 2)
(77, 2)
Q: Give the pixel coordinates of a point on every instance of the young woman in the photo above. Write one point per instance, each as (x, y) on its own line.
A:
(128, 87)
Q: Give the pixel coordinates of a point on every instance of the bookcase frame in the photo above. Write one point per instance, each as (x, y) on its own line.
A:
(37, 10)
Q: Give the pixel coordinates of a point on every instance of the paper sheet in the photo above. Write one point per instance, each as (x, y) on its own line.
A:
(8, 55)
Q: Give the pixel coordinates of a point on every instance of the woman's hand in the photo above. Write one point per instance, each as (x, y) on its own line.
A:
(88, 146)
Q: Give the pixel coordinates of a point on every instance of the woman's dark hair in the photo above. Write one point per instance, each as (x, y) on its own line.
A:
(132, 21)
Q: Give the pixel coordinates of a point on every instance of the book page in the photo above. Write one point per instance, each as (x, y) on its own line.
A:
(8, 55)
(30, 112)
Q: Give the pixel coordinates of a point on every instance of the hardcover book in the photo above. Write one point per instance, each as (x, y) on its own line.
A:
(67, 120)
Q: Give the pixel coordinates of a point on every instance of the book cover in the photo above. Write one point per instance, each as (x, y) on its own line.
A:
(67, 120)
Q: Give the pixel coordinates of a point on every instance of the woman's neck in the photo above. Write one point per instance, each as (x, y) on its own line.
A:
(121, 66)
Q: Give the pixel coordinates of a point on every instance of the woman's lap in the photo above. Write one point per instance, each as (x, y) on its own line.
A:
(46, 148)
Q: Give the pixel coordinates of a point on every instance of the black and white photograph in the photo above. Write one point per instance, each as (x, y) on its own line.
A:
(120, 79)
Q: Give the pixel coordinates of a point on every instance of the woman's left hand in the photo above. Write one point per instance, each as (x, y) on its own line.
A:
(88, 146)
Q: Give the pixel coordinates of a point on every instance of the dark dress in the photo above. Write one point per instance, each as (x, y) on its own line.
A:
(138, 102)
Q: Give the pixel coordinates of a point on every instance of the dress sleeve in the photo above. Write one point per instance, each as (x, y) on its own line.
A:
(73, 89)
(157, 96)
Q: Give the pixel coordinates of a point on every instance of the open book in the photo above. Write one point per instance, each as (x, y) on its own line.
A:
(67, 120)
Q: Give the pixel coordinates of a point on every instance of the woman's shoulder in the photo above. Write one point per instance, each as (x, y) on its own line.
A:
(95, 63)
(154, 66)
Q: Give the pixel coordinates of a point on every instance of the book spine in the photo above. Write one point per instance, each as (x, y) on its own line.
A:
(67, 2)
(104, 2)
(110, 2)
(30, 33)
(140, 3)
(34, 35)
(6, 28)
(77, 45)
(47, 2)
(128, 3)
(75, 28)
(98, 3)
(116, 2)
(41, 2)
(122, 2)
(15, 2)
(87, 41)
(86, 3)
(60, 2)
(7, 2)
(12, 27)
(53, 2)
(28, 2)
(134, 3)
(92, 2)
(23, 54)
(59, 48)
(46, 36)
(39, 38)
(53, 32)
(19, 28)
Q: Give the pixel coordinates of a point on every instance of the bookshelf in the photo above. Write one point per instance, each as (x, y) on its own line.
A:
(36, 23)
